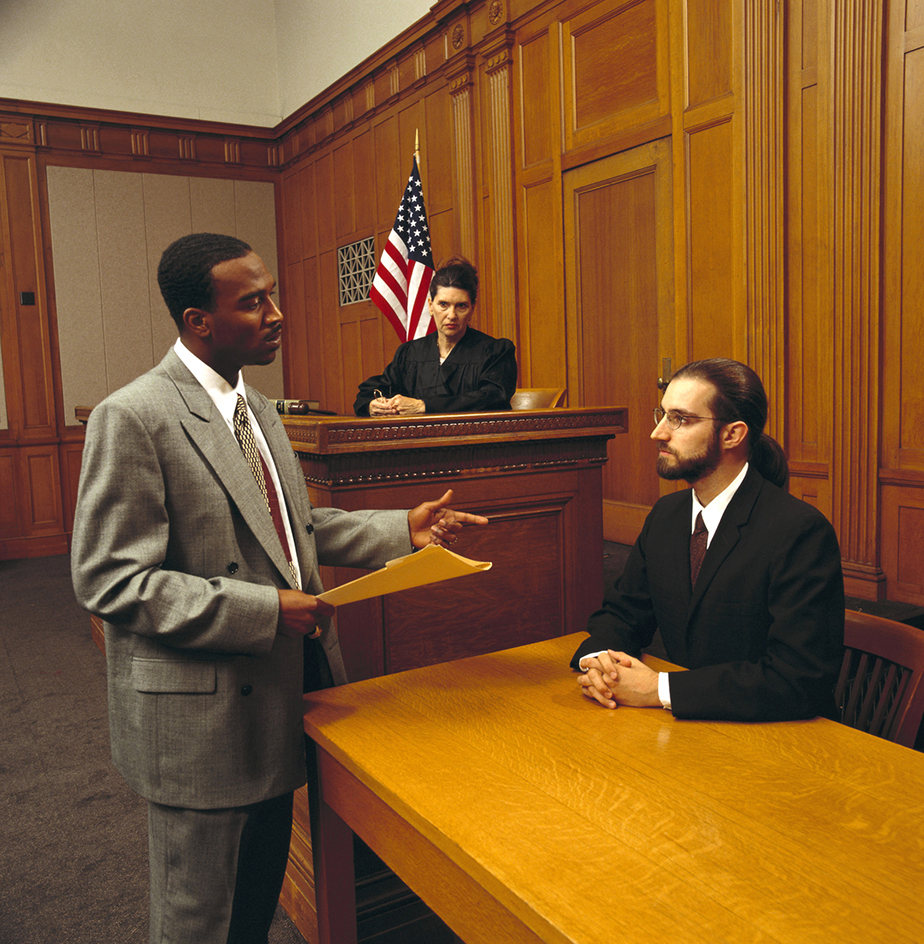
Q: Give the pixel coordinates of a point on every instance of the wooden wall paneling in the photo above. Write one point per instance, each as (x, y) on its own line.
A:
(364, 175)
(810, 326)
(620, 314)
(542, 340)
(10, 527)
(69, 457)
(27, 363)
(857, 35)
(344, 191)
(439, 124)
(902, 408)
(715, 321)
(710, 40)
(307, 178)
(714, 194)
(614, 69)
(339, 391)
(498, 73)
(289, 217)
(352, 347)
(543, 344)
(460, 92)
(296, 343)
(444, 243)
(44, 511)
(324, 201)
(765, 204)
(903, 540)
(536, 96)
(391, 174)
(904, 375)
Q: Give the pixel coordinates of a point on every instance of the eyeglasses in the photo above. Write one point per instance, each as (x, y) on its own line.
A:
(675, 420)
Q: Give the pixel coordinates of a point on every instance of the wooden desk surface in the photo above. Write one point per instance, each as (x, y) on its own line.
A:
(521, 811)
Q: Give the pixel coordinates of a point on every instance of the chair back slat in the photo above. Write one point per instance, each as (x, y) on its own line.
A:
(880, 688)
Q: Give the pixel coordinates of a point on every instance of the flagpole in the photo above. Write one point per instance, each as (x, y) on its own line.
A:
(417, 151)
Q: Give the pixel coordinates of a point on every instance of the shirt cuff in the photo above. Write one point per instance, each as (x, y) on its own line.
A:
(588, 655)
(664, 689)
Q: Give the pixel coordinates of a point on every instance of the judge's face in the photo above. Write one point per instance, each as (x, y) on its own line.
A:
(245, 326)
(693, 450)
(451, 309)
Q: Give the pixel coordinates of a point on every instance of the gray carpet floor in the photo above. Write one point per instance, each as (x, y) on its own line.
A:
(73, 837)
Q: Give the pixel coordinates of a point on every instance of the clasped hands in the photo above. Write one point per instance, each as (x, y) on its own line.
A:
(616, 678)
(428, 523)
(397, 405)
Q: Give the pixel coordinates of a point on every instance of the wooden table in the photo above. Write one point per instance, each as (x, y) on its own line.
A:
(520, 811)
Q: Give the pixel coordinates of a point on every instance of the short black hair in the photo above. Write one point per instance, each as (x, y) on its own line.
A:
(185, 271)
(458, 272)
(740, 396)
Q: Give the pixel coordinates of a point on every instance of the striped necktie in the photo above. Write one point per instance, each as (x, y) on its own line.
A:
(244, 433)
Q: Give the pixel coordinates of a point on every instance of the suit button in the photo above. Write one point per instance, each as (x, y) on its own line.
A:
(309, 528)
(246, 690)
(232, 567)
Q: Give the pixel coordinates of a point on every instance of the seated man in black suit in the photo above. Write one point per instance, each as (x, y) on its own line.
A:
(742, 579)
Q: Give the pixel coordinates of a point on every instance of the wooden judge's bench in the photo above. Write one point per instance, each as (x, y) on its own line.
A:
(537, 475)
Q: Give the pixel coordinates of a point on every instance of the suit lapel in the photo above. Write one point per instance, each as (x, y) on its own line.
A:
(207, 429)
(728, 533)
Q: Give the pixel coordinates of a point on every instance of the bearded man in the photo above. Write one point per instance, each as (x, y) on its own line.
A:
(742, 579)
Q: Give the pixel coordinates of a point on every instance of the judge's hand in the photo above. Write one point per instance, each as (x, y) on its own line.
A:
(299, 614)
(434, 523)
(616, 678)
(382, 406)
(406, 406)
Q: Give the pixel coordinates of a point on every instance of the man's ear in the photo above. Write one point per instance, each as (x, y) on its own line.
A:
(733, 434)
(198, 322)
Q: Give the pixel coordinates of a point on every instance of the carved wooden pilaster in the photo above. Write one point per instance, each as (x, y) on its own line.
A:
(460, 91)
(499, 74)
(764, 199)
(857, 39)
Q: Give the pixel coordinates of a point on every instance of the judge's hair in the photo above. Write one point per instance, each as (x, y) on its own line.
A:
(185, 271)
(739, 395)
(458, 272)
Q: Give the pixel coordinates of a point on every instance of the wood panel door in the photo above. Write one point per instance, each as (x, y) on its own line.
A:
(619, 271)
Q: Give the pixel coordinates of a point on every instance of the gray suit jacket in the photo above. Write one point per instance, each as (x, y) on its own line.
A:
(174, 549)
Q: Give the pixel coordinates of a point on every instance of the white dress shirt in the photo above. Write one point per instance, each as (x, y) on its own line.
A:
(224, 396)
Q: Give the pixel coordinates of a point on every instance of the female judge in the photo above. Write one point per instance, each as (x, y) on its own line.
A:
(454, 370)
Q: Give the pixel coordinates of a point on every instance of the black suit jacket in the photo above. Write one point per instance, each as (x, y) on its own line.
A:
(762, 633)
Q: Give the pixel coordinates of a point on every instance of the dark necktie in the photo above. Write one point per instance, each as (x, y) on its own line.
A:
(244, 432)
(697, 548)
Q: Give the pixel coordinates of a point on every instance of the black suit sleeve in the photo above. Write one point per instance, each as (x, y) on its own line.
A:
(626, 622)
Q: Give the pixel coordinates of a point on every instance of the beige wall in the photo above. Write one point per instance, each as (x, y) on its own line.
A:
(249, 62)
(108, 230)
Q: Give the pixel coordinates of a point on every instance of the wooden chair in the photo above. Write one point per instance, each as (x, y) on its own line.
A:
(881, 685)
(537, 398)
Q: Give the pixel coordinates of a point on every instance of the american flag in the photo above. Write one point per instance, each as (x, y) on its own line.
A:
(402, 278)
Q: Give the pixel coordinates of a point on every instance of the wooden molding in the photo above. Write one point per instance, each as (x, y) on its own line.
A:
(764, 203)
(857, 96)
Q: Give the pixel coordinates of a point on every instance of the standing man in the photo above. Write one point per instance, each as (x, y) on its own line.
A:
(743, 580)
(194, 540)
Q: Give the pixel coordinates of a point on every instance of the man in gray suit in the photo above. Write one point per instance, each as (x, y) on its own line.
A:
(195, 542)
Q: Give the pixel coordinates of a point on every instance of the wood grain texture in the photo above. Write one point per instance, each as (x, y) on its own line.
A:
(767, 832)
